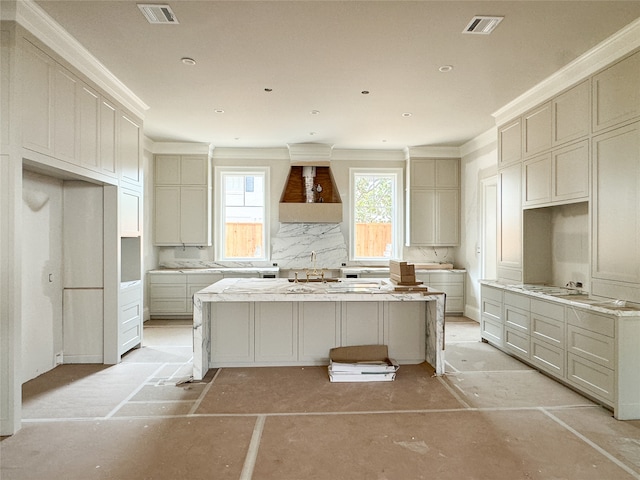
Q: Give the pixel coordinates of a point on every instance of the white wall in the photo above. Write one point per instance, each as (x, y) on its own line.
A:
(479, 162)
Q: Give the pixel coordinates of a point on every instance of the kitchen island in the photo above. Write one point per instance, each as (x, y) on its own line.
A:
(277, 322)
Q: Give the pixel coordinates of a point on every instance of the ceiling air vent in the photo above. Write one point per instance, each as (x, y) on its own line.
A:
(155, 13)
(481, 25)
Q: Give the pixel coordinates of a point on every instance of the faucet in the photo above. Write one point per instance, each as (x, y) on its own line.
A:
(314, 271)
(313, 262)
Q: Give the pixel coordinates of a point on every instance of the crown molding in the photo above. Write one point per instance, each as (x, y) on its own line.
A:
(248, 153)
(484, 139)
(606, 52)
(30, 16)
(433, 152)
(371, 155)
(181, 148)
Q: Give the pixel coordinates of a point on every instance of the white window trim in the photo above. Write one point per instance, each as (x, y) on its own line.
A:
(398, 214)
(218, 216)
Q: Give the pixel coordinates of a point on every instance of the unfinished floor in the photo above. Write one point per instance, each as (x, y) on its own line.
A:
(491, 417)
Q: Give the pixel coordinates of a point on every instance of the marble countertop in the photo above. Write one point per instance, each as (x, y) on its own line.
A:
(386, 270)
(281, 289)
(217, 270)
(573, 298)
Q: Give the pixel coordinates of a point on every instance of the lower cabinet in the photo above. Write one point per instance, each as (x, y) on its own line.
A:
(491, 323)
(451, 283)
(302, 333)
(171, 294)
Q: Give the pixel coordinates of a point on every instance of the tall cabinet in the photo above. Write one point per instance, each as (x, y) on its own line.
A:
(433, 202)
(182, 203)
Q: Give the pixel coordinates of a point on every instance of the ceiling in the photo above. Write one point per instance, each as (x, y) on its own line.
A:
(317, 57)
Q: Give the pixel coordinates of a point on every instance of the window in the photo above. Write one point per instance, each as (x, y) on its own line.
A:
(376, 213)
(241, 213)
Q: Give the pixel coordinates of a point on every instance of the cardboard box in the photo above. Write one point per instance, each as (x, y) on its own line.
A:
(361, 363)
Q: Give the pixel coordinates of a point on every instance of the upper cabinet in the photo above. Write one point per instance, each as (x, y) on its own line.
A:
(510, 143)
(537, 130)
(570, 114)
(182, 200)
(616, 94)
(433, 202)
(66, 119)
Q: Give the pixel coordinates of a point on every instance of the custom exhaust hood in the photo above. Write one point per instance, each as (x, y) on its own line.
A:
(310, 194)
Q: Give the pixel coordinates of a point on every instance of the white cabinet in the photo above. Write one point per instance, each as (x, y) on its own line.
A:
(362, 323)
(130, 213)
(615, 266)
(129, 153)
(537, 130)
(276, 330)
(510, 143)
(558, 177)
(107, 135)
(571, 114)
(89, 127)
(491, 323)
(405, 331)
(451, 283)
(182, 200)
(171, 294)
(318, 330)
(232, 333)
(548, 337)
(616, 93)
(130, 317)
(433, 202)
(517, 321)
(510, 223)
(65, 121)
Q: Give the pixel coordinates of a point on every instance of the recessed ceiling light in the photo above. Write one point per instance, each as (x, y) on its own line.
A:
(406, 114)
(218, 110)
(188, 61)
(365, 92)
(312, 133)
(315, 112)
(446, 68)
(268, 89)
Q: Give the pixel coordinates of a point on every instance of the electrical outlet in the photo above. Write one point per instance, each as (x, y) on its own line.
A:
(59, 358)
(578, 284)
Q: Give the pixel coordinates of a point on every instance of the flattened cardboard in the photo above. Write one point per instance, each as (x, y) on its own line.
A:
(361, 363)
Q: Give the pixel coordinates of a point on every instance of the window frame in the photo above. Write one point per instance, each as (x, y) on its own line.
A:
(397, 174)
(219, 217)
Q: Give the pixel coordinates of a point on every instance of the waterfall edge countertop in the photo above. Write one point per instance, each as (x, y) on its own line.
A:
(221, 270)
(247, 305)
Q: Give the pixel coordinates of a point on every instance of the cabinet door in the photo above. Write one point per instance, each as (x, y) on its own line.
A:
(571, 114)
(510, 223)
(194, 170)
(232, 333)
(167, 169)
(510, 143)
(129, 152)
(405, 331)
(318, 330)
(194, 216)
(362, 323)
(422, 217)
(447, 173)
(537, 130)
(130, 213)
(616, 93)
(64, 115)
(615, 213)
(88, 117)
(570, 168)
(276, 332)
(37, 108)
(167, 215)
(108, 138)
(448, 217)
(537, 180)
(422, 173)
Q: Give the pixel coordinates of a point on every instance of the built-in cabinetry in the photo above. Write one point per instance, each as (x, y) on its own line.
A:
(451, 283)
(182, 200)
(433, 201)
(171, 294)
(509, 219)
(594, 352)
(277, 333)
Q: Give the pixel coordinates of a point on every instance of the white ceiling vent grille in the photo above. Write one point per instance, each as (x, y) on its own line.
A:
(155, 13)
(481, 25)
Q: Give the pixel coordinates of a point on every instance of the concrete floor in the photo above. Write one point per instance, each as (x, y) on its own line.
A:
(491, 417)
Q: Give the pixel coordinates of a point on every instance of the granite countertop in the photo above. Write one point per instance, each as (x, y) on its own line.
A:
(571, 297)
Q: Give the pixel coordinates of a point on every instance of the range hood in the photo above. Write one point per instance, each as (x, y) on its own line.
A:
(310, 194)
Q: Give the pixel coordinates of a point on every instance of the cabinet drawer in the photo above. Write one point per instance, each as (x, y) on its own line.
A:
(547, 357)
(175, 305)
(167, 291)
(454, 304)
(204, 278)
(491, 331)
(547, 309)
(453, 290)
(592, 346)
(441, 278)
(491, 310)
(591, 377)
(515, 300)
(516, 318)
(517, 342)
(491, 293)
(167, 278)
(594, 322)
(547, 329)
